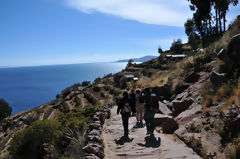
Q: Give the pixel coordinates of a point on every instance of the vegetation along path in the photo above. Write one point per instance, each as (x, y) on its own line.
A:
(141, 146)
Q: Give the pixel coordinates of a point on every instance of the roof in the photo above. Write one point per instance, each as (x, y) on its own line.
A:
(176, 56)
(129, 76)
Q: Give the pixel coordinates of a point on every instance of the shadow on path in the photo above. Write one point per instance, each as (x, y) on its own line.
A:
(139, 125)
(151, 141)
(123, 140)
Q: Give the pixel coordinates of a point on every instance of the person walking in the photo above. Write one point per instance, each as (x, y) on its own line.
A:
(149, 112)
(132, 99)
(125, 110)
(139, 106)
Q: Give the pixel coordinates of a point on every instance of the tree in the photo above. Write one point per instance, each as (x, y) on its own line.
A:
(160, 50)
(176, 47)
(5, 109)
(130, 61)
(191, 31)
(203, 18)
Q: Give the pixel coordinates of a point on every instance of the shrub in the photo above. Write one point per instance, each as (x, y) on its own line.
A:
(78, 101)
(86, 83)
(96, 89)
(5, 109)
(79, 118)
(233, 151)
(58, 96)
(97, 80)
(107, 88)
(123, 83)
(102, 94)
(117, 78)
(90, 98)
(196, 145)
(29, 143)
(69, 89)
(30, 119)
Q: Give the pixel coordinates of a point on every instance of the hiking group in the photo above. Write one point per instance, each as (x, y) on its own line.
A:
(140, 103)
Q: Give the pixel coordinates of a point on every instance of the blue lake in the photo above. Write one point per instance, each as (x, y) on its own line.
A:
(27, 87)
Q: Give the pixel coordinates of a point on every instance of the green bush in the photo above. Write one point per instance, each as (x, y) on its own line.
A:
(90, 98)
(86, 83)
(29, 143)
(79, 118)
(96, 89)
(78, 101)
(69, 89)
(117, 77)
(196, 145)
(5, 109)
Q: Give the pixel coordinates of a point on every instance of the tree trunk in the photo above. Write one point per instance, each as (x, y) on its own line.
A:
(216, 12)
(224, 21)
(220, 21)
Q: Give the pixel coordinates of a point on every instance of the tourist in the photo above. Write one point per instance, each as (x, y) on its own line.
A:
(149, 112)
(139, 106)
(125, 110)
(132, 98)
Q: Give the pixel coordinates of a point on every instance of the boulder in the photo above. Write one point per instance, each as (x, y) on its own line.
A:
(95, 125)
(168, 124)
(164, 109)
(94, 139)
(94, 132)
(90, 156)
(162, 92)
(192, 77)
(181, 104)
(231, 55)
(99, 116)
(95, 149)
(217, 78)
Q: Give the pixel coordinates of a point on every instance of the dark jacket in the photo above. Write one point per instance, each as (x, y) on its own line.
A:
(121, 103)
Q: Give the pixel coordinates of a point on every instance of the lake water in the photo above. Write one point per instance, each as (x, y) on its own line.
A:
(27, 87)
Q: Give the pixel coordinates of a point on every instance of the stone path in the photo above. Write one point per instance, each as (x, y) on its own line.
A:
(141, 147)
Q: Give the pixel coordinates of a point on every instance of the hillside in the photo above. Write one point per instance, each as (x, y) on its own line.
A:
(201, 91)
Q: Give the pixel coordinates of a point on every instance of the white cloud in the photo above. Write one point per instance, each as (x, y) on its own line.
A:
(160, 12)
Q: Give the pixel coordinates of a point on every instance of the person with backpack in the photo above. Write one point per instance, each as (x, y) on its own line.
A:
(149, 112)
(125, 110)
(139, 106)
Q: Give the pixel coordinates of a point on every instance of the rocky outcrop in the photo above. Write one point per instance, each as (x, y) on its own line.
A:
(217, 78)
(162, 92)
(181, 103)
(94, 148)
(230, 55)
(192, 77)
(168, 124)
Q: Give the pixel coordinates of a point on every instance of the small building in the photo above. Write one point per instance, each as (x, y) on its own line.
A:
(175, 56)
(130, 77)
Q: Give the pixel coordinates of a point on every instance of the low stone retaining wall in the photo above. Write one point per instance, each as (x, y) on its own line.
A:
(94, 148)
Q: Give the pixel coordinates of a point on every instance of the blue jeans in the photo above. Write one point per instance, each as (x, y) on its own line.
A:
(149, 119)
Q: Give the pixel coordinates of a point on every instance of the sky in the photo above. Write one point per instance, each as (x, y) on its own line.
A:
(48, 32)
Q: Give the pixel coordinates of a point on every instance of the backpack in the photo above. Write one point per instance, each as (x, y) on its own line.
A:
(126, 108)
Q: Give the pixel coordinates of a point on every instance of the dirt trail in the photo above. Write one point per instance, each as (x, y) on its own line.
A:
(141, 147)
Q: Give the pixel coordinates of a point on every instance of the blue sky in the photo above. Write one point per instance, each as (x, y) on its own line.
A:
(45, 32)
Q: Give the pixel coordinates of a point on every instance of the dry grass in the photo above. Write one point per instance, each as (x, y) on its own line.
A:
(156, 80)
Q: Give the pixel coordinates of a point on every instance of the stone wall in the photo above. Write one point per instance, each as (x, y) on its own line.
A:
(94, 148)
